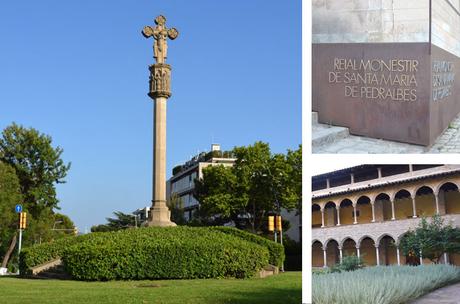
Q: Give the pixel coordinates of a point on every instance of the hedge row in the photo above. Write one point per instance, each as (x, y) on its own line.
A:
(164, 253)
(42, 253)
(277, 255)
(153, 253)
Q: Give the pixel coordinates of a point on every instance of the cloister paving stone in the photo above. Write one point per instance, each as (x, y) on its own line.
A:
(447, 142)
(445, 295)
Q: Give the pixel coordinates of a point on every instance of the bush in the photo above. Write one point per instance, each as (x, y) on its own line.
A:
(349, 263)
(382, 284)
(39, 254)
(152, 253)
(276, 250)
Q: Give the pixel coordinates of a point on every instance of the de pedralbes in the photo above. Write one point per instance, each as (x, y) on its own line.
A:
(392, 79)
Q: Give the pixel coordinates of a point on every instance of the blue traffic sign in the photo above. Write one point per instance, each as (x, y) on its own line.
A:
(18, 208)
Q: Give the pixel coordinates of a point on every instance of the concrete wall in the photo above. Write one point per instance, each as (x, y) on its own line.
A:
(341, 21)
(445, 31)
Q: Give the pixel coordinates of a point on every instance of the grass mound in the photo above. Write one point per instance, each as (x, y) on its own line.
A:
(153, 253)
(382, 284)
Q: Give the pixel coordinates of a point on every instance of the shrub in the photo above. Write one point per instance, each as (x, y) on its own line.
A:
(276, 250)
(164, 253)
(349, 263)
(382, 284)
(39, 254)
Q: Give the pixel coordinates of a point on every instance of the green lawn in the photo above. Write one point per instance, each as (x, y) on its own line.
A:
(284, 289)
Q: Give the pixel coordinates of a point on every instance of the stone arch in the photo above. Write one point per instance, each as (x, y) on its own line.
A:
(362, 238)
(382, 206)
(330, 214)
(384, 235)
(425, 201)
(332, 252)
(403, 204)
(363, 209)
(348, 246)
(388, 253)
(367, 250)
(446, 182)
(316, 218)
(346, 212)
(326, 242)
(317, 254)
(448, 198)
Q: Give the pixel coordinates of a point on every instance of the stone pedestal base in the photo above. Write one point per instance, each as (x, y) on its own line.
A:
(160, 216)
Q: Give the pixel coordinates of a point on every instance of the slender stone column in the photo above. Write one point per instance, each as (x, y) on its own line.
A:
(437, 202)
(377, 254)
(338, 215)
(324, 258)
(421, 258)
(373, 212)
(446, 258)
(397, 256)
(159, 91)
(322, 218)
(355, 219)
(358, 253)
(414, 207)
(341, 254)
(393, 217)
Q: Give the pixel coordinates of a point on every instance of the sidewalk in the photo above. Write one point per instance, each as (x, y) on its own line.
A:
(445, 295)
(447, 142)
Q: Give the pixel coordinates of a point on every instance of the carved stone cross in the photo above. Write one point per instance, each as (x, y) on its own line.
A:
(160, 33)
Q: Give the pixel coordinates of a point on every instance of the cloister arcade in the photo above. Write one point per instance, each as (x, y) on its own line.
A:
(370, 223)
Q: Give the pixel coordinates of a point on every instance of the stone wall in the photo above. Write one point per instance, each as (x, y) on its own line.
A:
(342, 21)
(445, 31)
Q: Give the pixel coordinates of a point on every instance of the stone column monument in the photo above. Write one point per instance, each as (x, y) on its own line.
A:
(160, 91)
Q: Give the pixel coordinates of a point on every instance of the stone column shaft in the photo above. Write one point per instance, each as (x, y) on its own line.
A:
(414, 207)
(355, 220)
(373, 212)
(397, 256)
(338, 215)
(324, 258)
(393, 217)
(159, 152)
(377, 255)
(322, 218)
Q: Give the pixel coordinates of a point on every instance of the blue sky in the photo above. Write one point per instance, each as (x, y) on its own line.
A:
(77, 70)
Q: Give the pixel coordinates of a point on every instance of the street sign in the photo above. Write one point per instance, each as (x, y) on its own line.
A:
(18, 208)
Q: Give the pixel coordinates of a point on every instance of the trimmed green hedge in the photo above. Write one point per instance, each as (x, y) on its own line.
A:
(39, 254)
(276, 250)
(164, 253)
(153, 253)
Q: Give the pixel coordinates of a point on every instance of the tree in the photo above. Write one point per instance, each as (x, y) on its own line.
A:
(431, 240)
(257, 184)
(294, 159)
(10, 196)
(220, 199)
(38, 167)
(120, 221)
(176, 206)
(37, 164)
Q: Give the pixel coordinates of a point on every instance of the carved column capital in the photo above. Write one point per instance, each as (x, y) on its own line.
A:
(160, 80)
